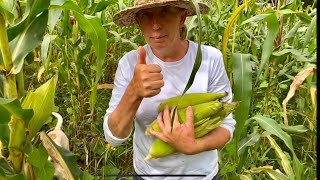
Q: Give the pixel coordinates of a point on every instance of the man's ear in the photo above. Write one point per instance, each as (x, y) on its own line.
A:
(183, 17)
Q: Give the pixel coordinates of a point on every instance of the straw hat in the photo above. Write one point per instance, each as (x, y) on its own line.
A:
(127, 16)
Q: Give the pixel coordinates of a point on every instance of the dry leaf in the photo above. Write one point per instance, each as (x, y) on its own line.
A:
(297, 81)
(105, 86)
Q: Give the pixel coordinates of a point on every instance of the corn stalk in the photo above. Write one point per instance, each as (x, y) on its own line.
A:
(9, 81)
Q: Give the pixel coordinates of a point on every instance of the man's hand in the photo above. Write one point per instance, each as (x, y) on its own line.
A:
(147, 79)
(182, 137)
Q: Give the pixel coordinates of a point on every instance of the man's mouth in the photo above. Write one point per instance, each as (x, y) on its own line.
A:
(158, 37)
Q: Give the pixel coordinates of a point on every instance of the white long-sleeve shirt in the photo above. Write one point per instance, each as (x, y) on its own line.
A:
(211, 77)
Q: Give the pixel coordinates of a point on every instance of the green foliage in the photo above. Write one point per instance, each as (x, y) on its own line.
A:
(265, 45)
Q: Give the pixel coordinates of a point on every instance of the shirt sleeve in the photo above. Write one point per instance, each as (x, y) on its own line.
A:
(218, 83)
(120, 84)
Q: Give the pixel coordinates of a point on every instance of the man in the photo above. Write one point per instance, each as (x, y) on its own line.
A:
(159, 70)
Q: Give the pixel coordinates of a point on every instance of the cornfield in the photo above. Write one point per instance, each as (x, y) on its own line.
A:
(61, 56)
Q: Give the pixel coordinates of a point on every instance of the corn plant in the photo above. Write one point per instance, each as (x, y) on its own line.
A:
(23, 115)
(257, 72)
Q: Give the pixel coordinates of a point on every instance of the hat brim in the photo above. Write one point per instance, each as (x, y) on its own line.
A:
(127, 16)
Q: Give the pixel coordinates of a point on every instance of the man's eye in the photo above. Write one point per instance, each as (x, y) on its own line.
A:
(164, 11)
(145, 15)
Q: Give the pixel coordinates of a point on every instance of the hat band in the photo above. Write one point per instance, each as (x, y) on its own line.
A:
(142, 2)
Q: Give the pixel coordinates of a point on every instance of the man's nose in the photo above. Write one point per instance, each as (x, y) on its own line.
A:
(156, 22)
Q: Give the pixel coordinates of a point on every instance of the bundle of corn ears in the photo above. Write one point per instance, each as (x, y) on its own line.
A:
(208, 113)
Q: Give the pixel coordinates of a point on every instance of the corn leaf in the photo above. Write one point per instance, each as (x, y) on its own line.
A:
(297, 81)
(295, 53)
(274, 128)
(27, 40)
(267, 48)
(285, 163)
(227, 30)
(42, 102)
(256, 18)
(310, 29)
(97, 7)
(250, 140)
(33, 9)
(12, 107)
(294, 129)
(8, 108)
(242, 75)
(66, 159)
(274, 174)
(197, 62)
(5, 167)
(293, 31)
(304, 17)
(297, 166)
(6, 12)
(39, 160)
(245, 177)
(54, 14)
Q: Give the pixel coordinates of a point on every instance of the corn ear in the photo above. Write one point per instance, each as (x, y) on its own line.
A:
(190, 100)
(202, 127)
(207, 127)
(159, 149)
(201, 122)
(200, 111)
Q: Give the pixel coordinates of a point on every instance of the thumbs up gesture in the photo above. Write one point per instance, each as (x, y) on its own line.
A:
(147, 78)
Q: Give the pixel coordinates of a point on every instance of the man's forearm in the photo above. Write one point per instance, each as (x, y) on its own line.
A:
(120, 121)
(214, 140)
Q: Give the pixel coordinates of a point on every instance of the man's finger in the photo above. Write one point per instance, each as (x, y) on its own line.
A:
(160, 121)
(176, 122)
(189, 116)
(141, 55)
(167, 119)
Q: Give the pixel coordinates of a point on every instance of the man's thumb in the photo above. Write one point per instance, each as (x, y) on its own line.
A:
(141, 55)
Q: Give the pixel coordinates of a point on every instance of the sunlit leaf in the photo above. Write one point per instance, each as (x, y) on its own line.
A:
(27, 40)
(5, 12)
(42, 102)
(284, 160)
(274, 174)
(64, 158)
(33, 8)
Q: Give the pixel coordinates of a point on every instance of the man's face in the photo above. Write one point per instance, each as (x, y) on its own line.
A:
(160, 26)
